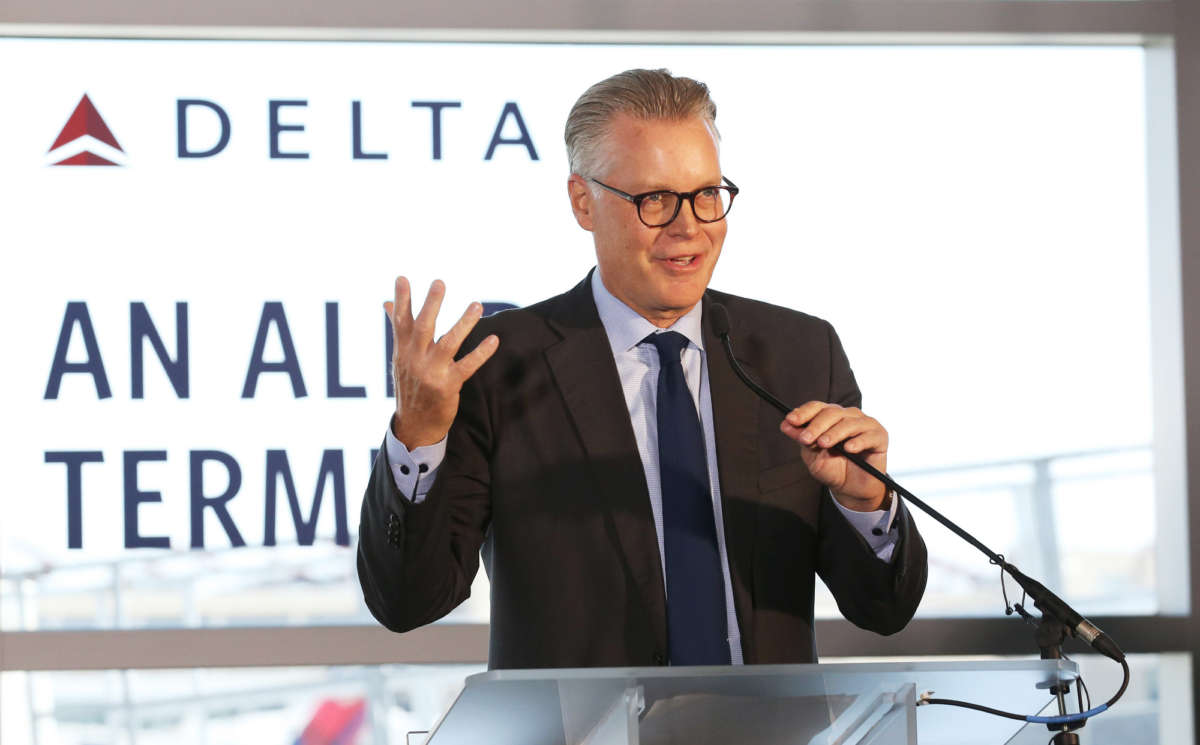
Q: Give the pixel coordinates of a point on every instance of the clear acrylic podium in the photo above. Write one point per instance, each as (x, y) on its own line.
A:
(833, 704)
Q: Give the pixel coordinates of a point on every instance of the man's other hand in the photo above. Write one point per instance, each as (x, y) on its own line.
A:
(818, 426)
(427, 377)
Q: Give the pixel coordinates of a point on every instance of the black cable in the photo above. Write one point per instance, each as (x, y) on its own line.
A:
(976, 707)
(1049, 603)
(1067, 719)
(1124, 684)
(1082, 689)
(1008, 609)
(861, 461)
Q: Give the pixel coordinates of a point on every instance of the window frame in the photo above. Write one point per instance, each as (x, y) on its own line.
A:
(1169, 31)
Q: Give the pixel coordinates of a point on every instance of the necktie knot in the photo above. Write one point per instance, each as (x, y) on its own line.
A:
(670, 345)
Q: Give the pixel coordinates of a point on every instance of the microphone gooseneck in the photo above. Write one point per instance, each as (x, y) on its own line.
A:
(1045, 600)
(720, 326)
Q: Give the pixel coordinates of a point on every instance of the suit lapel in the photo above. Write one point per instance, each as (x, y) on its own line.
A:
(735, 411)
(586, 375)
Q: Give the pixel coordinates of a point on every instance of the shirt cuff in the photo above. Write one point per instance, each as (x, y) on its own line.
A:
(414, 471)
(877, 527)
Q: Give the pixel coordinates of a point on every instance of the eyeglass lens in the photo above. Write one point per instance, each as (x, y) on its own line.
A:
(709, 204)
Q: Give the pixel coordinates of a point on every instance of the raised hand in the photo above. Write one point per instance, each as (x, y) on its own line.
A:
(427, 377)
(818, 426)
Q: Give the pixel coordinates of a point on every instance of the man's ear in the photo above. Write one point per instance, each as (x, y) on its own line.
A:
(581, 201)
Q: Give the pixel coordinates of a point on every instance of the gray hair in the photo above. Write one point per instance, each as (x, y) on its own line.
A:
(643, 94)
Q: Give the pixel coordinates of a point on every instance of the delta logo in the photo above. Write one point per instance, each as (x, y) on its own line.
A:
(86, 140)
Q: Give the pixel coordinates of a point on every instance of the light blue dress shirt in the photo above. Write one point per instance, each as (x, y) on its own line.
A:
(638, 366)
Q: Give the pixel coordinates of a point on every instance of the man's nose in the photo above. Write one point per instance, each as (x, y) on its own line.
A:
(685, 223)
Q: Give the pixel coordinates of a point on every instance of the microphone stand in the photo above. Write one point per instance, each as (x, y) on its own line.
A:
(1058, 619)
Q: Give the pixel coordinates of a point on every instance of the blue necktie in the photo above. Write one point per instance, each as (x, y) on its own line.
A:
(696, 625)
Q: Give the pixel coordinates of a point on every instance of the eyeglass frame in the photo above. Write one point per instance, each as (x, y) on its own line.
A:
(680, 196)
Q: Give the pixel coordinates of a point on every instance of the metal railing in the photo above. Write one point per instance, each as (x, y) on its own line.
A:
(290, 585)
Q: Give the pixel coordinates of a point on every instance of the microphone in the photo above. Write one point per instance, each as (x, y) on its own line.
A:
(1079, 626)
(1044, 599)
(720, 327)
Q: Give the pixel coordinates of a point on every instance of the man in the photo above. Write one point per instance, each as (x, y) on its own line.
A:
(635, 504)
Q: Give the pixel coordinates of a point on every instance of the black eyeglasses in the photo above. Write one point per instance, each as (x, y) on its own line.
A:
(658, 208)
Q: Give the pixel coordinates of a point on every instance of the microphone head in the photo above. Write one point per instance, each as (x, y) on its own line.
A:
(720, 320)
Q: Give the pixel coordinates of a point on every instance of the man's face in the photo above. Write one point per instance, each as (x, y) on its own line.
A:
(659, 272)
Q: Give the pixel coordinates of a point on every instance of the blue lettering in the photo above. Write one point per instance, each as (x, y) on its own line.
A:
(511, 109)
(333, 374)
(134, 498)
(356, 131)
(389, 344)
(273, 314)
(277, 128)
(218, 504)
(435, 113)
(490, 307)
(142, 328)
(74, 462)
(181, 113)
(332, 468)
(77, 314)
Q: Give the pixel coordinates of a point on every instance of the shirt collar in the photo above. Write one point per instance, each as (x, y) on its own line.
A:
(626, 329)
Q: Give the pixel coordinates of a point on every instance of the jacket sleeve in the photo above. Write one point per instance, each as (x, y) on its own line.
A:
(872, 594)
(416, 562)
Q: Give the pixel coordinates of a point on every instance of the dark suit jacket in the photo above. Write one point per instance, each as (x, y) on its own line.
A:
(542, 472)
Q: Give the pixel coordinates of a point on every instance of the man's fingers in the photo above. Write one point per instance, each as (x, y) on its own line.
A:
(467, 366)
(791, 430)
(857, 434)
(800, 416)
(874, 440)
(426, 319)
(825, 417)
(844, 429)
(401, 310)
(824, 425)
(453, 339)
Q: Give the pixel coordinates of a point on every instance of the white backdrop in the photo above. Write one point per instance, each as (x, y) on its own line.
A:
(971, 220)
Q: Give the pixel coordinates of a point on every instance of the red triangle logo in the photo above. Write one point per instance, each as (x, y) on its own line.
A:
(85, 120)
(85, 159)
